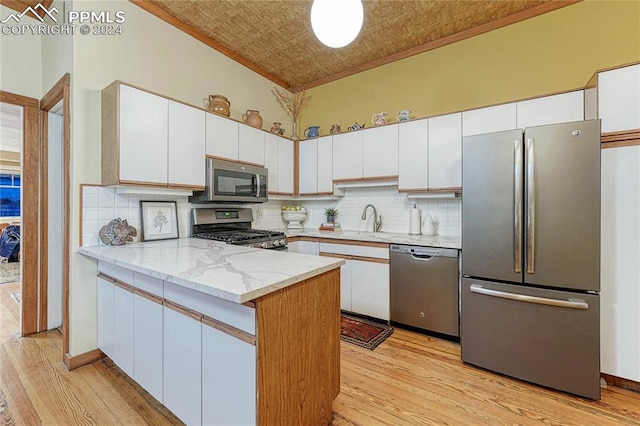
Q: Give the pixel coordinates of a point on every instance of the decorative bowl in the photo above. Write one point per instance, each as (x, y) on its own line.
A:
(294, 218)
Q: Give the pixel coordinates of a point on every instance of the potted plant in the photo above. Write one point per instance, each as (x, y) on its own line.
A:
(331, 214)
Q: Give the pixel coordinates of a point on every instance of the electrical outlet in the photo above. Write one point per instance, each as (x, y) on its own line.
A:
(259, 213)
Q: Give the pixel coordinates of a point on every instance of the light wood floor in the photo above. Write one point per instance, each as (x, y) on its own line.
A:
(409, 379)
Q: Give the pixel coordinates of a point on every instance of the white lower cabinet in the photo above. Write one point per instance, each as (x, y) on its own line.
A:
(147, 345)
(370, 288)
(228, 379)
(122, 354)
(345, 287)
(364, 284)
(304, 247)
(182, 366)
(105, 316)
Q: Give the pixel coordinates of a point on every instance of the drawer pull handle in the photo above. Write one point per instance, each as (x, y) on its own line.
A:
(573, 304)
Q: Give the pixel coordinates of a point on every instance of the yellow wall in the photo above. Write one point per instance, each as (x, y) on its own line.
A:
(553, 52)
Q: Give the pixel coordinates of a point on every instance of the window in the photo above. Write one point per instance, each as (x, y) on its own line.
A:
(9, 195)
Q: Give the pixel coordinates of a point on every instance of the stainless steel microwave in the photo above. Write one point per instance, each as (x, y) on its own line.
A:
(229, 182)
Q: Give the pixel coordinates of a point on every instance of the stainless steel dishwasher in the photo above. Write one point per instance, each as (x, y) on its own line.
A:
(424, 288)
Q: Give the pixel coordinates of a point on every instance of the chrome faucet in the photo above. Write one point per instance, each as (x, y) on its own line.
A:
(377, 220)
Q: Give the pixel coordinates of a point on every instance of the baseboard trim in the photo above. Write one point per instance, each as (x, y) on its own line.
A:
(73, 362)
(620, 382)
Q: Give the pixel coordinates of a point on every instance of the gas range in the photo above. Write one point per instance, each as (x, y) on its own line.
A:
(233, 226)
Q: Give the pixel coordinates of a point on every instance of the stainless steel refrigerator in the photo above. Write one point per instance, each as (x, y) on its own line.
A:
(530, 304)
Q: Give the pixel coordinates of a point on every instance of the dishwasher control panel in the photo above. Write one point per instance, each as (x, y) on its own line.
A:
(423, 251)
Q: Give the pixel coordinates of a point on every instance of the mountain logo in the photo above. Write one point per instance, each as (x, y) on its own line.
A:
(34, 10)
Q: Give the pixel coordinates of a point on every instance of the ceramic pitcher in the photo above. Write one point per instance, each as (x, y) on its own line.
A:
(277, 129)
(311, 132)
(218, 104)
(252, 118)
(379, 119)
(404, 115)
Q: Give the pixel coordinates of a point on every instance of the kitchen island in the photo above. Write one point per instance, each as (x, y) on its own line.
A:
(223, 334)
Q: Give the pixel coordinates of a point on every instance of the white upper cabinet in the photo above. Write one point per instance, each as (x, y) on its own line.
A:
(271, 153)
(325, 165)
(619, 99)
(308, 183)
(490, 119)
(445, 151)
(278, 159)
(285, 165)
(380, 151)
(561, 108)
(143, 137)
(347, 156)
(250, 145)
(186, 146)
(413, 145)
(222, 137)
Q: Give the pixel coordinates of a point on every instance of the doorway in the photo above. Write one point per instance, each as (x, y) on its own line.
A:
(11, 148)
(54, 204)
(28, 255)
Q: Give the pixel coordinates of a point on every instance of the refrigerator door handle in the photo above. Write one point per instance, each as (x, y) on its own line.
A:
(517, 205)
(531, 206)
(573, 304)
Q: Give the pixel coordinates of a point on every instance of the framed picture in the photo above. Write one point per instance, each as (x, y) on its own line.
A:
(159, 220)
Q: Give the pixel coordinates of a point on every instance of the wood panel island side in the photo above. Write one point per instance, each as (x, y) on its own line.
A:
(223, 334)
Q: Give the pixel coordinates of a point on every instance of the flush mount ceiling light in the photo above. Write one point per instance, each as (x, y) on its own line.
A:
(336, 23)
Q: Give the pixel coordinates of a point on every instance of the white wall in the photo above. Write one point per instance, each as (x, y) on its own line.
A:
(154, 55)
(57, 53)
(21, 64)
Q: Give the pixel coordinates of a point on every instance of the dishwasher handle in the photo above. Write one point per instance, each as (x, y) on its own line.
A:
(421, 257)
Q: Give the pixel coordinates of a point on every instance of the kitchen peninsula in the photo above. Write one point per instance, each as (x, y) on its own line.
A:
(223, 334)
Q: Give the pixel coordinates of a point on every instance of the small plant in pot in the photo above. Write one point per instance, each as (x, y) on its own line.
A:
(331, 214)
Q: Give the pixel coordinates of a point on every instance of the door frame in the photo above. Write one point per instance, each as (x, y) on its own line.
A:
(61, 91)
(29, 214)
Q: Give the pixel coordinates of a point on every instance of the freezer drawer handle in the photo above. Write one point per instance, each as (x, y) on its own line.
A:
(573, 304)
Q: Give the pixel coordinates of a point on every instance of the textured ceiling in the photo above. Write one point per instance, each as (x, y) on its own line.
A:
(276, 35)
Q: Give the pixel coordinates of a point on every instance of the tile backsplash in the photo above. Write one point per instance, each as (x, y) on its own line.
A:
(102, 204)
(392, 205)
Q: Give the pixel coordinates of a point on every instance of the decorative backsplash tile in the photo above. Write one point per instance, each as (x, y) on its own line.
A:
(102, 204)
(393, 206)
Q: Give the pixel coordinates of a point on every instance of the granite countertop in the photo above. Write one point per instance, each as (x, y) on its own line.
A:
(381, 237)
(234, 273)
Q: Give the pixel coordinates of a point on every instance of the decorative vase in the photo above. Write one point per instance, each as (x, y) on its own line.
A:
(335, 129)
(252, 118)
(219, 104)
(276, 129)
(294, 219)
(294, 132)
